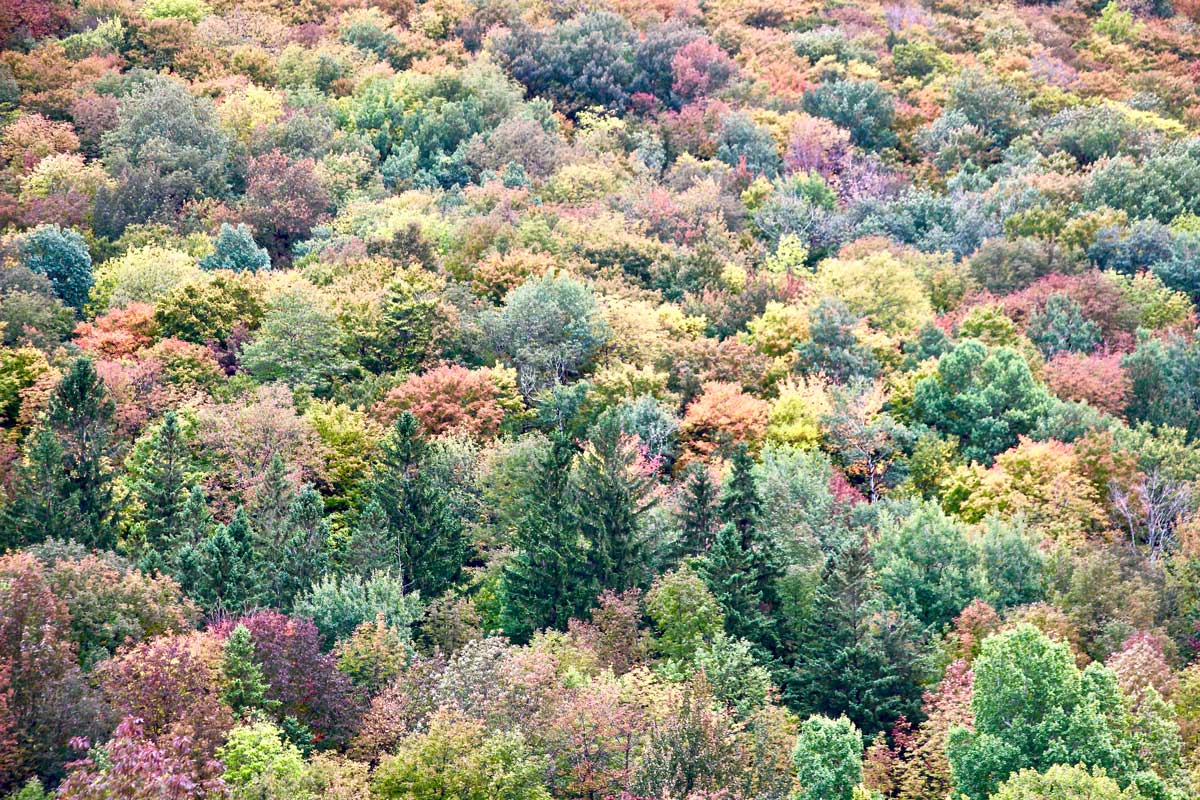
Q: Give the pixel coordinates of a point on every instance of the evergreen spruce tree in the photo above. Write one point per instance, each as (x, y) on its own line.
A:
(742, 566)
(425, 539)
(43, 505)
(219, 571)
(164, 495)
(244, 687)
(853, 656)
(367, 548)
(78, 503)
(610, 496)
(698, 512)
(546, 583)
(741, 505)
(303, 555)
(269, 509)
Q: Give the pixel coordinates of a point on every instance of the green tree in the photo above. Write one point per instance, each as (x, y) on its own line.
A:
(1033, 709)
(1060, 327)
(698, 512)
(546, 582)
(260, 763)
(927, 565)
(422, 536)
(298, 344)
(611, 494)
(63, 257)
(828, 758)
(684, 613)
(236, 250)
(1063, 782)
(163, 492)
(66, 484)
(987, 397)
(243, 686)
(218, 572)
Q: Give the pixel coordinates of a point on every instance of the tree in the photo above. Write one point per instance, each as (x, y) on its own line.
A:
(862, 107)
(423, 536)
(1060, 327)
(549, 328)
(259, 763)
(219, 570)
(684, 613)
(63, 257)
(833, 348)
(611, 492)
(244, 688)
(546, 582)
(297, 344)
(455, 757)
(1033, 709)
(698, 517)
(283, 201)
(986, 396)
(235, 249)
(66, 483)
(828, 758)
(927, 566)
(163, 491)
(1063, 782)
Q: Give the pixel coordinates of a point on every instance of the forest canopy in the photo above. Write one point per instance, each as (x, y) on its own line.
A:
(599, 400)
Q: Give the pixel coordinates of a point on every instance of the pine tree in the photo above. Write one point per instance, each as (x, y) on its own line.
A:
(854, 657)
(219, 571)
(303, 556)
(610, 496)
(732, 574)
(43, 506)
(81, 414)
(741, 504)
(270, 507)
(424, 536)
(545, 583)
(163, 492)
(244, 687)
(698, 512)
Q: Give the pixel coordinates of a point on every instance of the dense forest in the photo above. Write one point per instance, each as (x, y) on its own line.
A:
(599, 399)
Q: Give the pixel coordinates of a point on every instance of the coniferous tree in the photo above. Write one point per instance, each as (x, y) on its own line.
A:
(424, 537)
(244, 687)
(698, 512)
(743, 565)
(66, 485)
(545, 583)
(269, 509)
(164, 495)
(854, 656)
(302, 556)
(611, 495)
(43, 506)
(219, 572)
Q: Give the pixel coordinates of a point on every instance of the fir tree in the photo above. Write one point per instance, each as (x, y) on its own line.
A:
(43, 506)
(698, 512)
(854, 657)
(424, 537)
(219, 571)
(545, 583)
(244, 687)
(610, 497)
(80, 416)
(163, 493)
(269, 509)
(302, 556)
(741, 504)
(732, 574)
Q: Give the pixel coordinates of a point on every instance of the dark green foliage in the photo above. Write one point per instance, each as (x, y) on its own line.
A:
(218, 572)
(244, 687)
(418, 533)
(611, 493)
(699, 519)
(832, 348)
(743, 143)
(61, 256)
(546, 582)
(66, 481)
(1060, 327)
(163, 492)
(862, 107)
(854, 657)
(1165, 373)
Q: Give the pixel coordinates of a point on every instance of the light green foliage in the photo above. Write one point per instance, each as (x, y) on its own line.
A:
(828, 759)
(259, 764)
